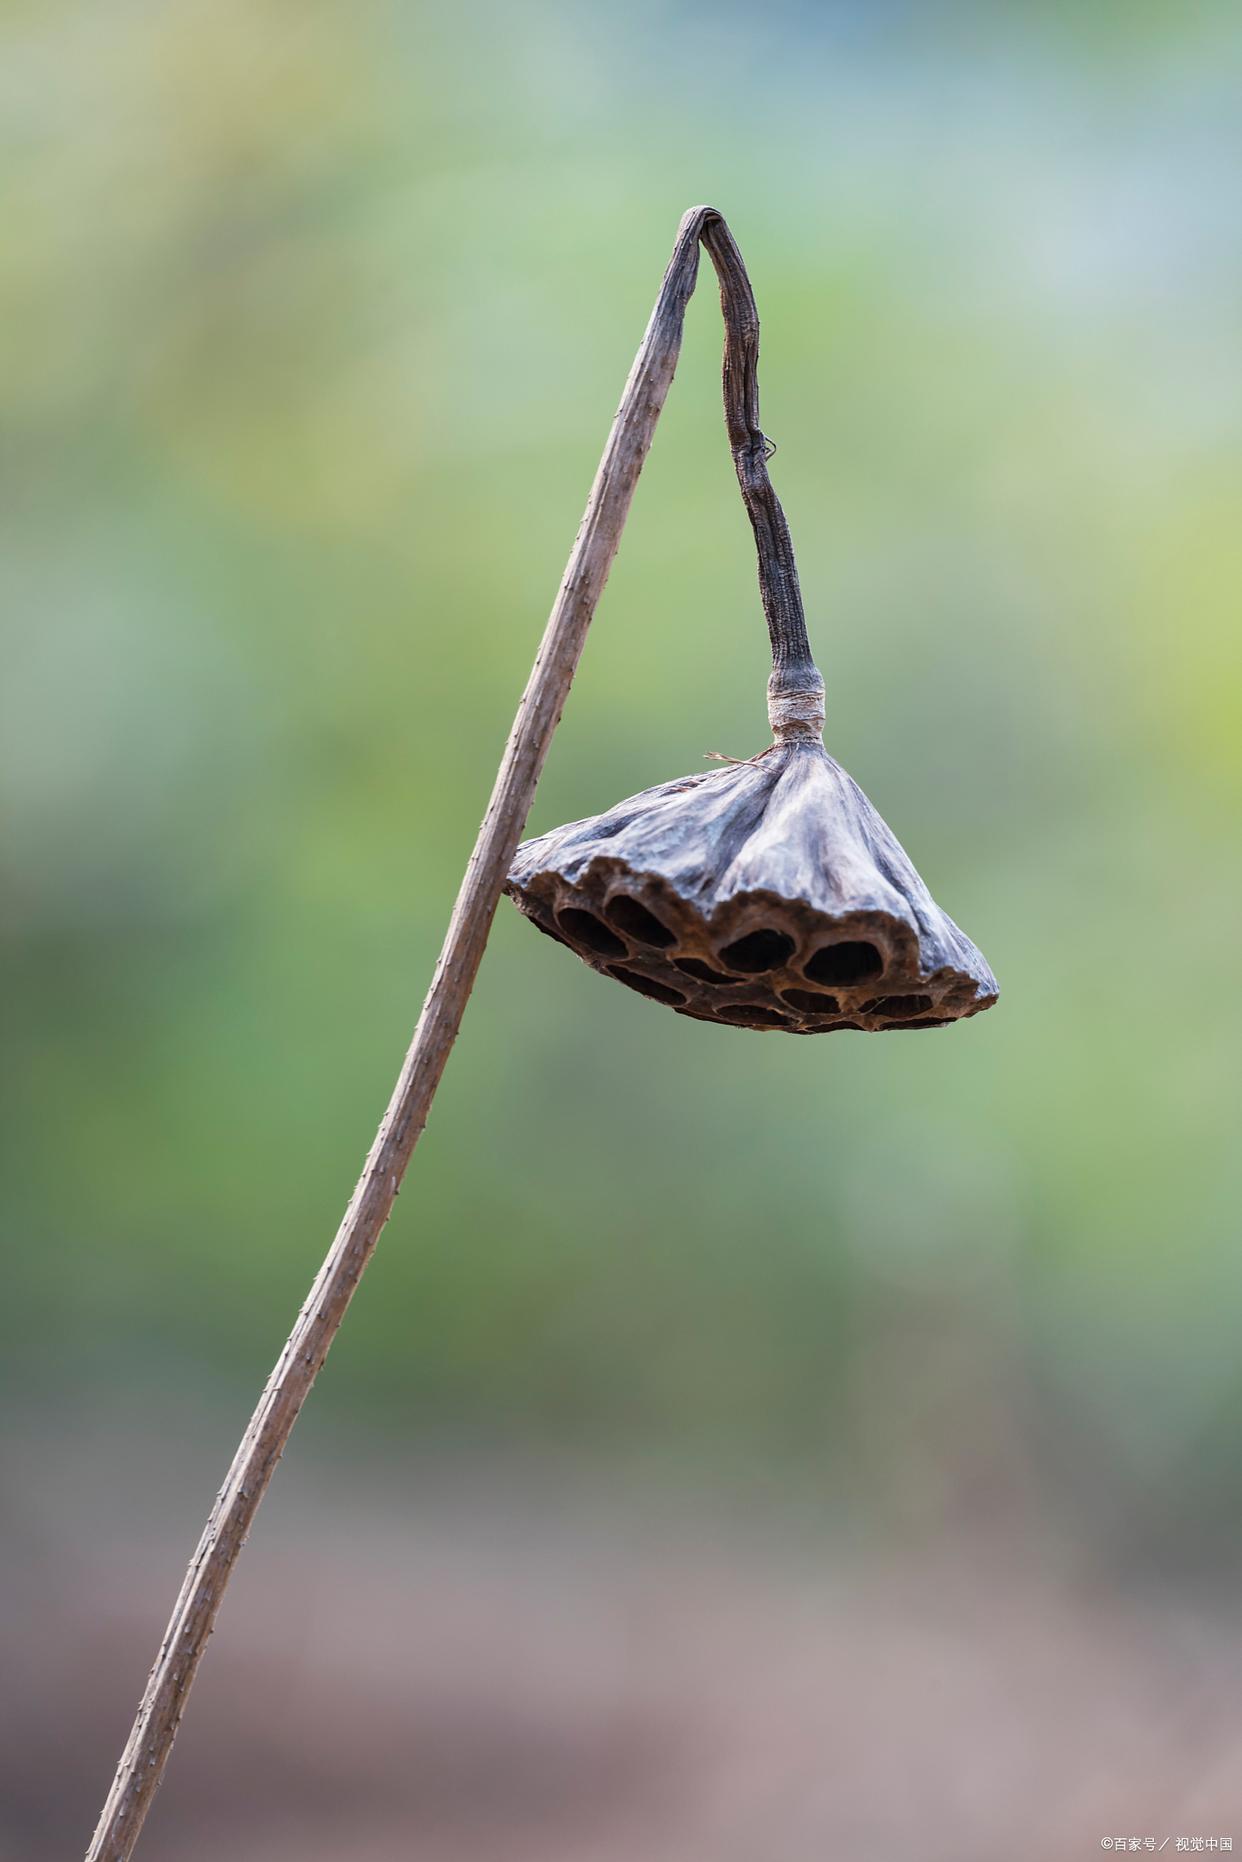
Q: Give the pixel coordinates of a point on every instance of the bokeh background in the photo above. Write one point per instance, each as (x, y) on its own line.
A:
(740, 1446)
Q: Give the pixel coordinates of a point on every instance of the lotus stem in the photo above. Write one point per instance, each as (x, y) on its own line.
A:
(150, 1742)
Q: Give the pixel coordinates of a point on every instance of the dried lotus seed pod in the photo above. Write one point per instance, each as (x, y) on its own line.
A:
(769, 893)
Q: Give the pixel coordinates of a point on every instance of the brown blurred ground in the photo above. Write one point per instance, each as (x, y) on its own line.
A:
(512, 1660)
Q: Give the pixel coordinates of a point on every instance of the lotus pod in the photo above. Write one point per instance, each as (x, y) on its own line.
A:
(766, 894)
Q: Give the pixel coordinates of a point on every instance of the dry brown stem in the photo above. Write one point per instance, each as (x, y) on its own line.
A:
(150, 1742)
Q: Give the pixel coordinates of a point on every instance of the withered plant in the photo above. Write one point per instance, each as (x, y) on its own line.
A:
(765, 894)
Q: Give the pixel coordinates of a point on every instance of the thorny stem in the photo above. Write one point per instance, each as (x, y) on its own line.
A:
(150, 1742)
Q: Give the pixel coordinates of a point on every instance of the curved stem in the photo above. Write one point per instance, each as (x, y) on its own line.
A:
(792, 663)
(150, 1742)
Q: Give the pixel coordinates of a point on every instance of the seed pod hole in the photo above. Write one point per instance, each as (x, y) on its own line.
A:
(897, 1005)
(758, 951)
(750, 1015)
(851, 962)
(548, 930)
(647, 986)
(585, 928)
(810, 1002)
(703, 973)
(628, 915)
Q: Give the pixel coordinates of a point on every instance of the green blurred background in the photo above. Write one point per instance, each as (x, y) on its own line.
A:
(315, 318)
